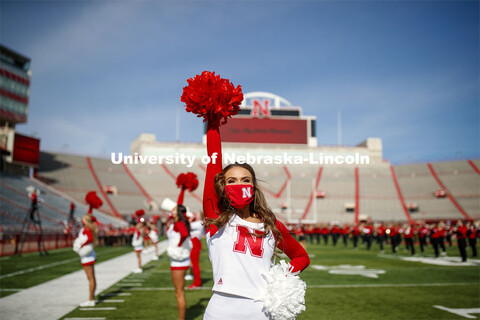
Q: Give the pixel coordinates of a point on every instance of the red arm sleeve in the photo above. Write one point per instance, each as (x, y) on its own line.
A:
(210, 199)
(299, 259)
(89, 235)
(182, 229)
(180, 197)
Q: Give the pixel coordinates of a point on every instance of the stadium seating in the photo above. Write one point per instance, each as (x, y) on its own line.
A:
(53, 209)
(378, 198)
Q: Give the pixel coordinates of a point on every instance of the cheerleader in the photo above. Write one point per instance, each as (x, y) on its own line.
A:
(242, 231)
(153, 235)
(137, 244)
(197, 233)
(242, 235)
(83, 245)
(179, 247)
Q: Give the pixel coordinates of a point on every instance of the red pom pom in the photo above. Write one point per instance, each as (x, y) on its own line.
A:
(93, 201)
(140, 212)
(187, 181)
(211, 97)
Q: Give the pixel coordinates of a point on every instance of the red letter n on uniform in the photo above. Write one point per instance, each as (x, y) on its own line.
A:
(246, 239)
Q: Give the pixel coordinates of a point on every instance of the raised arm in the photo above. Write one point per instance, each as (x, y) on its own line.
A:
(299, 259)
(214, 151)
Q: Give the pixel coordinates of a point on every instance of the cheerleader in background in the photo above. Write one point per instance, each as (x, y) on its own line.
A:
(153, 235)
(83, 245)
(137, 244)
(179, 246)
(197, 234)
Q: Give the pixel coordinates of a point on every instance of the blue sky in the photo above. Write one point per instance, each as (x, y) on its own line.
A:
(104, 72)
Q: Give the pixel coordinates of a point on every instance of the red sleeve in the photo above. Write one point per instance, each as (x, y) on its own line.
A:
(299, 259)
(182, 229)
(181, 196)
(89, 235)
(210, 198)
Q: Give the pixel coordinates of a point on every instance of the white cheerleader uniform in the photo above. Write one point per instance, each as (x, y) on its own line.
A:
(153, 235)
(234, 251)
(137, 241)
(179, 256)
(84, 243)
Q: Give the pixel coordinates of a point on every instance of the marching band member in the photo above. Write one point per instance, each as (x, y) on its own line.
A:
(380, 231)
(435, 234)
(472, 237)
(408, 236)
(462, 239)
(83, 245)
(422, 237)
(355, 234)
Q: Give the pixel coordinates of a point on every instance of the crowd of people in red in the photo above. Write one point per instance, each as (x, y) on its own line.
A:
(422, 235)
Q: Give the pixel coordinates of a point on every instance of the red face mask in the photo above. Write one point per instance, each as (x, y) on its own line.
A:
(240, 195)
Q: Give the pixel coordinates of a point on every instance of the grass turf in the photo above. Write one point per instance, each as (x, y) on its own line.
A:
(407, 290)
(56, 264)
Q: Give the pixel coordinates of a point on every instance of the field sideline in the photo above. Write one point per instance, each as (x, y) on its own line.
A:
(341, 284)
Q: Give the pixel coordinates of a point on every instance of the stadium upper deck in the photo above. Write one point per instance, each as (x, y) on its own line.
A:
(311, 193)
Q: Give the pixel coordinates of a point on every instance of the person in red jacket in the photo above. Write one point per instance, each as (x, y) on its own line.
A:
(380, 231)
(355, 234)
(325, 233)
(435, 234)
(335, 234)
(441, 239)
(368, 234)
(345, 233)
(393, 234)
(422, 237)
(462, 239)
(472, 234)
(408, 236)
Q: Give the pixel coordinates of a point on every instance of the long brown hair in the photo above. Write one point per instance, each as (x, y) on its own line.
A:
(258, 205)
(92, 226)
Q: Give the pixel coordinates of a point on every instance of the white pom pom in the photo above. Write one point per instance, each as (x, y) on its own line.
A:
(180, 253)
(85, 250)
(77, 244)
(285, 297)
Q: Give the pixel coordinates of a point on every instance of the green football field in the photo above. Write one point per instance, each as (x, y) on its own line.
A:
(21, 272)
(342, 283)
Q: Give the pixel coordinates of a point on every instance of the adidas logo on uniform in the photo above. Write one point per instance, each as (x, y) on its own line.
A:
(220, 282)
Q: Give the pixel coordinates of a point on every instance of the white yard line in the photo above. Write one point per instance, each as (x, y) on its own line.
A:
(98, 309)
(115, 294)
